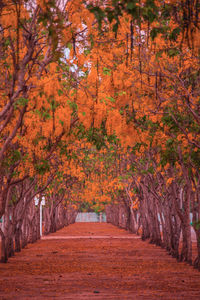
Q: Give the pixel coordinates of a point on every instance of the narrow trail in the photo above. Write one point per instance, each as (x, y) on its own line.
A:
(96, 261)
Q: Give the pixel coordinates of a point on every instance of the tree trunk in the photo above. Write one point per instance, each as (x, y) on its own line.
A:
(18, 240)
(133, 222)
(186, 252)
(4, 255)
(196, 223)
(197, 259)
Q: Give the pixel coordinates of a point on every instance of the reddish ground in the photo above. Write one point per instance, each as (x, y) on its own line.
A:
(100, 262)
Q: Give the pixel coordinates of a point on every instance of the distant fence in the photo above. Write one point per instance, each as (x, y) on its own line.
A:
(91, 217)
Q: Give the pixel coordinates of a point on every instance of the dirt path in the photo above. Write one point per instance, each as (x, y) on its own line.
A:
(96, 261)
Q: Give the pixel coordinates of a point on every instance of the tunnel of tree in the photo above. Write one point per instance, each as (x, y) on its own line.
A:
(100, 111)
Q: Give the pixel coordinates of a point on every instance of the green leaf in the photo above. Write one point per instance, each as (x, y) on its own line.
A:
(21, 102)
(60, 92)
(159, 53)
(130, 5)
(110, 16)
(111, 99)
(16, 155)
(151, 170)
(7, 42)
(154, 32)
(69, 46)
(174, 34)
(115, 27)
(73, 105)
(166, 10)
(121, 93)
(173, 52)
(42, 167)
(106, 71)
(86, 52)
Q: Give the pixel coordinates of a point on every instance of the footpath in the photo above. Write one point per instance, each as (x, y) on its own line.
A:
(96, 261)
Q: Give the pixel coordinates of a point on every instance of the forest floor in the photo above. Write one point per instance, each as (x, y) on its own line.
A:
(96, 261)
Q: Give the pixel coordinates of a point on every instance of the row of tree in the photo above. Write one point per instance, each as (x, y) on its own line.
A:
(149, 82)
(36, 119)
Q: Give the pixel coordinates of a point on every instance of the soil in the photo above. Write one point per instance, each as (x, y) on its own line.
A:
(96, 261)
